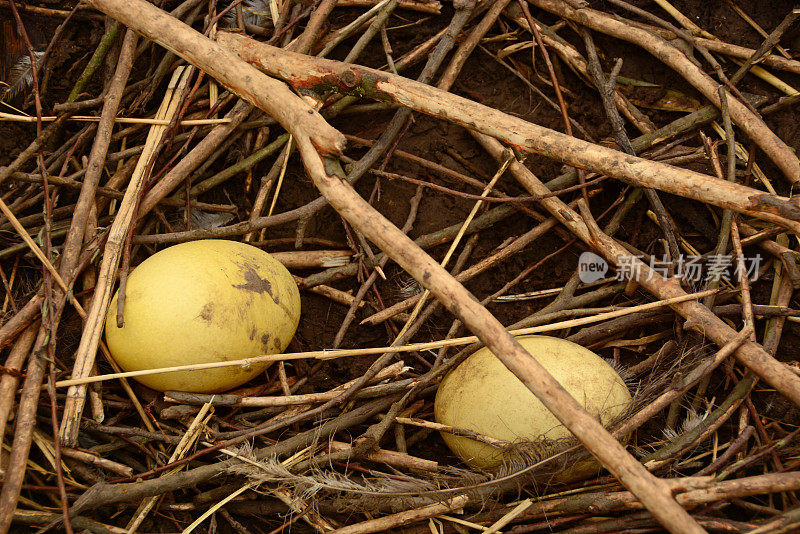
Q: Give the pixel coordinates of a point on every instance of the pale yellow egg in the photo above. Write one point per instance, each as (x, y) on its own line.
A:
(203, 301)
(482, 395)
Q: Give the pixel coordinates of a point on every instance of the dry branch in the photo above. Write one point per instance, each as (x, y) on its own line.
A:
(460, 302)
(740, 52)
(210, 142)
(321, 75)
(87, 350)
(699, 317)
(382, 524)
(424, 6)
(753, 126)
(97, 156)
(692, 492)
(263, 410)
(10, 380)
(262, 91)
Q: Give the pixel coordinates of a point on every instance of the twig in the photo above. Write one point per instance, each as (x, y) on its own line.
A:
(351, 312)
(562, 104)
(97, 156)
(9, 380)
(606, 89)
(744, 281)
(403, 518)
(699, 317)
(108, 39)
(758, 28)
(23, 434)
(752, 125)
(59, 466)
(341, 353)
(423, 297)
(231, 72)
(732, 450)
(770, 42)
(112, 493)
(84, 357)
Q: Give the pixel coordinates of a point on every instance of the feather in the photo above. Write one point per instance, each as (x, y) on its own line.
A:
(529, 466)
(401, 491)
(255, 12)
(20, 76)
(210, 219)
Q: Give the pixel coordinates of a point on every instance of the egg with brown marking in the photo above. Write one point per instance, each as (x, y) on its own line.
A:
(200, 302)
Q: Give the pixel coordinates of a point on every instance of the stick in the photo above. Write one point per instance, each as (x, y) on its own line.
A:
(112, 493)
(23, 430)
(9, 381)
(305, 72)
(341, 353)
(194, 158)
(700, 317)
(383, 524)
(97, 156)
(260, 90)
(416, 5)
(93, 326)
(753, 126)
(692, 492)
(9, 117)
(653, 494)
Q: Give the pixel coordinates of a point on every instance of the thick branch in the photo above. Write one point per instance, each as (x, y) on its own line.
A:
(698, 317)
(264, 92)
(752, 125)
(650, 490)
(320, 75)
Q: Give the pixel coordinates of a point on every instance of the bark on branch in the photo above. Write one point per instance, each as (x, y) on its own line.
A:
(260, 90)
(320, 76)
(651, 491)
(749, 122)
(699, 317)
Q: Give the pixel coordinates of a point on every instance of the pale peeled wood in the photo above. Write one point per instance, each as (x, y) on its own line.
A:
(93, 326)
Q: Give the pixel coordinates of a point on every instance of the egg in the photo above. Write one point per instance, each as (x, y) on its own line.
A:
(203, 301)
(482, 395)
